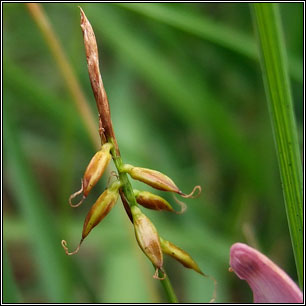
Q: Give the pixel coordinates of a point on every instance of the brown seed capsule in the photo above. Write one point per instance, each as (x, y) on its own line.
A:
(98, 211)
(96, 168)
(153, 178)
(101, 208)
(180, 255)
(93, 172)
(157, 180)
(151, 201)
(147, 238)
(155, 202)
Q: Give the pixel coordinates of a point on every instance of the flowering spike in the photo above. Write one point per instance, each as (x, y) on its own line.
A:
(147, 238)
(269, 283)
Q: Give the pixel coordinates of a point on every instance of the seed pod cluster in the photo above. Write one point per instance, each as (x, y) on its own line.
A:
(146, 234)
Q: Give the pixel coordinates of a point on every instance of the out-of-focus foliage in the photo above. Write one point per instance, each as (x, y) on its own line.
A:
(186, 99)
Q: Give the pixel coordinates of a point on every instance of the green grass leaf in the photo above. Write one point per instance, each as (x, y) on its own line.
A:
(278, 92)
(45, 241)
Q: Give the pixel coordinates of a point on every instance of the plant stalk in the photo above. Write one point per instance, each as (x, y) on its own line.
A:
(106, 128)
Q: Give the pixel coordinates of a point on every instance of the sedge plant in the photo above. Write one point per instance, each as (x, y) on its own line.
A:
(147, 236)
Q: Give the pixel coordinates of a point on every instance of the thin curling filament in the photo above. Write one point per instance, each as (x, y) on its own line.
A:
(76, 194)
(156, 274)
(191, 194)
(181, 204)
(214, 296)
(64, 245)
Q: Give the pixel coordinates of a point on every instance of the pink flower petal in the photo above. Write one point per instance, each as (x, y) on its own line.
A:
(269, 283)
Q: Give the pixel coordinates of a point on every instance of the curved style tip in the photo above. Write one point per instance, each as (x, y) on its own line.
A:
(191, 194)
(64, 245)
(181, 204)
(214, 296)
(156, 274)
(76, 194)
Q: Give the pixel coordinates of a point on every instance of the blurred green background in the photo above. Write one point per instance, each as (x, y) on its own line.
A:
(187, 98)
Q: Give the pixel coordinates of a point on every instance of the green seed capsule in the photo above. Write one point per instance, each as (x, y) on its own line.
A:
(147, 238)
(101, 208)
(180, 255)
(152, 201)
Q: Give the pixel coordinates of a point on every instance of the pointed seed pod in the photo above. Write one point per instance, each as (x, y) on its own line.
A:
(155, 202)
(156, 180)
(148, 239)
(98, 211)
(153, 178)
(101, 208)
(93, 172)
(180, 255)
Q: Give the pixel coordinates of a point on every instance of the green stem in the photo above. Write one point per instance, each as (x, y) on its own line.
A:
(130, 197)
(168, 288)
(277, 87)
